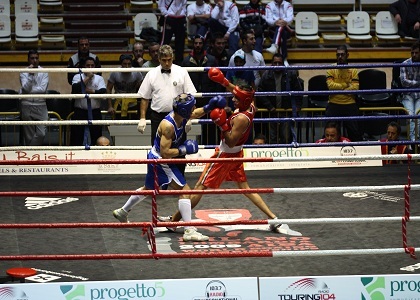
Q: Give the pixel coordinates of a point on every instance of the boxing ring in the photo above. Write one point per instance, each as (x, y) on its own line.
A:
(355, 221)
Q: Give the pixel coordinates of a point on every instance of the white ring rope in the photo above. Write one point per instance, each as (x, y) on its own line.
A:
(340, 252)
(341, 220)
(343, 189)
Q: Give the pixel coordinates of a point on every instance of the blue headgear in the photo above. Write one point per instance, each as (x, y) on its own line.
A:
(183, 105)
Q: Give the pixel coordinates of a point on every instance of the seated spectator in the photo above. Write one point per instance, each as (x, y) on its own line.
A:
(198, 14)
(332, 134)
(279, 15)
(277, 80)
(260, 139)
(218, 50)
(102, 141)
(393, 134)
(239, 77)
(124, 83)
(407, 15)
(138, 52)
(225, 19)
(252, 17)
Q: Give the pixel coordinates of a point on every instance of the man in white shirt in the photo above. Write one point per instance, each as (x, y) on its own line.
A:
(279, 15)
(198, 14)
(86, 108)
(252, 57)
(33, 109)
(161, 86)
(174, 12)
(225, 19)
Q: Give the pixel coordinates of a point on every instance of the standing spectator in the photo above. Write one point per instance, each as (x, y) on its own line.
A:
(198, 14)
(407, 15)
(83, 52)
(33, 109)
(332, 134)
(279, 15)
(218, 50)
(344, 105)
(393, 135)
(161, 86)
(252, 16)
(86, 108)
(225, 19)
(138, 52)
(279, 80)
(253, 58)
(174, 12)
(410, 78)
(124, 83)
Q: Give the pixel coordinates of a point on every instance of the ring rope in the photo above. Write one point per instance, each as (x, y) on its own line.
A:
(301, 190)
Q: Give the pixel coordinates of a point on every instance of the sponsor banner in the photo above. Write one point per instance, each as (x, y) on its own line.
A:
(187, 289)
(191, 167)
(369, 287)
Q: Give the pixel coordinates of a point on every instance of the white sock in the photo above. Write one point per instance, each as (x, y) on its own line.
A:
(184, 206)
(133, 200)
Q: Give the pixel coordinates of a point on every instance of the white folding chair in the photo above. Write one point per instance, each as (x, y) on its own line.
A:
(358, 26)
(26, 7)
(26, 29)
(144, 20)
(5, 7)
(386, 28)
(306, 27)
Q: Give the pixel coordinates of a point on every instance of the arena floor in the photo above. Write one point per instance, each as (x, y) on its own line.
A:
(229, 238)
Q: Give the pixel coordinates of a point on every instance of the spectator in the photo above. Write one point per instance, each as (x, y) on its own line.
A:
(279, 80)
(138, 52)
(160, 86)
(407, 15)
(103, 141)
(86, 108)
(279, 15)
(340, 105)
(252, 16)
(218, 50)
(332, 134)
(82, 53)
(393, 135)
(33, 109)
(239, 77)
(152, 63)
(260, 139)
(199, 58)
(225, 19)
(124, 83)
(253, 58)
(198, 14)
(174, 13)
(410, 78)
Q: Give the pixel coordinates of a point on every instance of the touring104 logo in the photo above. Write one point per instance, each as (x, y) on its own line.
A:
(307, 288)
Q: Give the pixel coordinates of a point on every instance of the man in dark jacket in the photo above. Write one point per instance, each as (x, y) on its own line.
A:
(279, 80)
(252, 16)
(407, 15)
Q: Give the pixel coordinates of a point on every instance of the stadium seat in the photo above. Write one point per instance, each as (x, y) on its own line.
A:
(306, 28)
(358, 27)
(26, 29)
(144, 20)
(5, 7)
(26, 7)
(5, 31)
(373, 79)
(386, 28)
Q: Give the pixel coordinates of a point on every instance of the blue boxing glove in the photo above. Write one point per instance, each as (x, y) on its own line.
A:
(189, 147)
(216, 101)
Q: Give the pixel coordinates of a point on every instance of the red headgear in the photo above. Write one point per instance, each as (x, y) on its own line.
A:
(244, 97)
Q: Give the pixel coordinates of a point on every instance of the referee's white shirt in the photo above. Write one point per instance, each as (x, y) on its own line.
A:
(162, 88)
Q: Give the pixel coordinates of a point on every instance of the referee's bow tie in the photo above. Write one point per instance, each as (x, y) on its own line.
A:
(166, 71)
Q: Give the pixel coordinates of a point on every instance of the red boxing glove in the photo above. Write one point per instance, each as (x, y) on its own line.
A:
(217, 76)
(218, 116)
